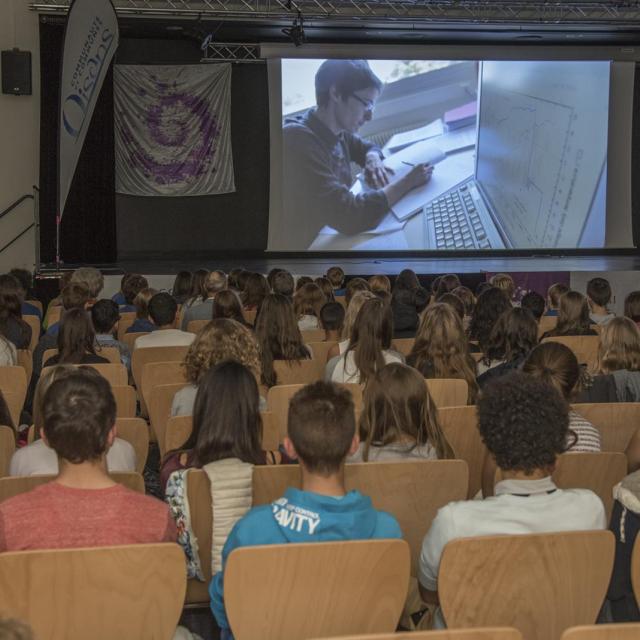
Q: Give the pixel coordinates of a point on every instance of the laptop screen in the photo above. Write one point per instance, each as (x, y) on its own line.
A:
(542, 148)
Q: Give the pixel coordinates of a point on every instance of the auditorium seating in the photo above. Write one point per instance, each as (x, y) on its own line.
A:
(7, 447)
(546, 323)
(629, 631)
(125, 592)
(321, 354)
(116, 374)
(160, 410)
(403, 345)
(296, 371)
(448, 392)
(486, 633)
(110, 353)
(35, 303)
(195, 326)
(321, 589)
(130, 338)
(15, 485)
(13, 383)
(34, 323)
(127, 318)
(539, 583)
(136, 432)
(159, 373)
(312, 335)
(584, 347)
(25, 360)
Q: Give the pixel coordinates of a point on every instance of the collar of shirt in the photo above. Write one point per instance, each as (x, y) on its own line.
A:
(321, 130)
(525, 487)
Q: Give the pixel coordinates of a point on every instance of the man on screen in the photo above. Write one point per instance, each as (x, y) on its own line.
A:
(318, 148)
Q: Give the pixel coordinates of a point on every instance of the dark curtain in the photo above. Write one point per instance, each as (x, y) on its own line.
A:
(88, 232)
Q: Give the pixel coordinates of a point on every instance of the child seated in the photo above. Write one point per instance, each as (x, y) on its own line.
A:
(599, 296)
(321, 433)
(332, 320)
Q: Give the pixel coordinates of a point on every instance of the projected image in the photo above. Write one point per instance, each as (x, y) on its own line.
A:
(454, 155)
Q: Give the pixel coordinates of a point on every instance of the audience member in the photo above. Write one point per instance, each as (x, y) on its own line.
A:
(351, 314)
(38, 458)
(408, 300)
(509, 410)
(283, 284)
(83, 506)
(270, 277)
(321, 433)
(554, 293)
(573, 317)
(454, 302)
(105, 317)
(481, 287)
(74, 296)
(440, 349)
(162, 310)
(226, 422)
(354, 286)
(254, 292)
(215, 281)
(197, 293)
(142, 324)
(232, 279)
(369, 347)
(63, 281)
(131, 287)
(379, 283)
(557, 365)
(278, 336)
(504, 282)
(326, 288)
(226, 304)
(512, 338)
(491, 304)
(8, 353)
(533, 301)
(469, 300)
(182, 286)
(301, 281)
(12, 326)
(632, 306)
(332, 321)
(335, 275)
(307, 302)
(91, 278)
(399, 420)
(118, 297)
(221, 340)
(446, 284)
(25, 282)
(599, 296)
(241, 279)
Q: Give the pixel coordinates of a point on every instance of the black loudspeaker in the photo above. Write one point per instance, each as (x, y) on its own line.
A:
(16, 72)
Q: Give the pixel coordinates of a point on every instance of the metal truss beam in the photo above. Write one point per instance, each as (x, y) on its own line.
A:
(231, 52)
(521, 12)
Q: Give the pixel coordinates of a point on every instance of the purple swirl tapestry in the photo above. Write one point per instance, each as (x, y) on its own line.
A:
(173, 130)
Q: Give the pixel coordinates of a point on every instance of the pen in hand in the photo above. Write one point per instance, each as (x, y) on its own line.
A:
(409, 164)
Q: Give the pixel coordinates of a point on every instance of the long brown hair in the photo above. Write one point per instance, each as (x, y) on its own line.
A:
(353, 308)
(555, 364)
(512, 337)
(398, 408)
(619, 346)
(308, 300)
(371, 335)
(440, 349)
(11, 306)
(76, 337)
(226, 304)
(573, 315)
(255, 289)
(278, 335)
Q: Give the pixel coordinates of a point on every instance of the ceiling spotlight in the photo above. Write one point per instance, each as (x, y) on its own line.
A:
(296, 31)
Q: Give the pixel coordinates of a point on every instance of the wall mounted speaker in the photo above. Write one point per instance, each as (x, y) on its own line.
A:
(16, 72)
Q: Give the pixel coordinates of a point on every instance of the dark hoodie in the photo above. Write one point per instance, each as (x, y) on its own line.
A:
(301, 516)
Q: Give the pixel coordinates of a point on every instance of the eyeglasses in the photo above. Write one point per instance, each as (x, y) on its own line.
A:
(369, 105)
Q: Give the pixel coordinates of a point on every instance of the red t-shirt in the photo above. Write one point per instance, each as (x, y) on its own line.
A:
(53, 516)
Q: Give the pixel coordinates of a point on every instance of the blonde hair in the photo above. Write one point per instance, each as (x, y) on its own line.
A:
(308, 300)
(398, 408)
(505, 282)
(222, 339)
(91, 277)
(48, 377)
(619, 346)
(355, 304)
(141, 302)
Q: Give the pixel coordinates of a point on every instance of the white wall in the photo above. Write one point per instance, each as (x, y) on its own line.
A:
(19, 136)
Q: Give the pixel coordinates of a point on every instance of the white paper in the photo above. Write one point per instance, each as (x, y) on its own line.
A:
(399, 141)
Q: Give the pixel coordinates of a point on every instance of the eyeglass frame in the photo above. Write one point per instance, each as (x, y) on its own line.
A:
(369, 105)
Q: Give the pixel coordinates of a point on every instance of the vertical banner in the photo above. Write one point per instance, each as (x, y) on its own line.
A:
(90, 41)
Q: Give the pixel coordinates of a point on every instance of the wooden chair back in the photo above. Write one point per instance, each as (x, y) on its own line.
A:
(403, 345)
(25, 360)
(296, 371)
(250, 316)
(628, 631)
(34, 323)
(321, 351)
(460, 426)
(127, 318)
(635, 569)
(15, 485)
(584, 347)
(125, 401)
(141, 357)
(160, 411)
(13, 384)
(448, 392)
(35, 303)
(486, 633)
(278, 399)
(546, 323)
(412, 491)
(327, 588)
(116, 374)
(538, 583)
(110, 353)
(130, 338)
(54, 314)
(195, 326)
(127, 592)
(617, 422)
(7, 448)
(312, 335)
(136, 432)
(155, 374)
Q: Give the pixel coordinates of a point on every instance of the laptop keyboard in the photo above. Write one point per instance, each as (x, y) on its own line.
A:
(456, 221)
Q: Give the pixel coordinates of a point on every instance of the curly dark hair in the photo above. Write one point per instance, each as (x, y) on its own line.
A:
(523, 422)
(491, 304)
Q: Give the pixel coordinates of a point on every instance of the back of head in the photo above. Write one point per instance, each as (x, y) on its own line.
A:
(454, 302)
(505, 282)
(632, 306)
(354, 286)
(79, 411)
(513, 336)
(141, 302)
(335, 275)
(10, 297)
(446, 284)
(573, 314)
(132, 286)
(104, 315)
(182, 285)
(222, 339)
(398, 409)
(163, 309)
(555, 364)
(599, 291)
(270, 276)
(92, 278)
(326, 287)
(491, 304)
(619, 346)
(242, 278)
(535, 303)
(353, 308)
(523, 423)
(468, 299)
(197, 283)
(24, 277)
(232, 279)
(76, 336)
(255, 289)
(332, 316)
(346, 76)
(283, 283)
(226, 304)
(50, 375)
(407, 279)
(321, 425)
(75, 296)
(555, 292)
(308, 300)
(301, 281)
(226, 416)
(380, 283)
(215, 281)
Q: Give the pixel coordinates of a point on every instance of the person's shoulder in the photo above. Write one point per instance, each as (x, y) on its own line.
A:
(39, 497)
(256, 527)
(143, 505)
(387, 526)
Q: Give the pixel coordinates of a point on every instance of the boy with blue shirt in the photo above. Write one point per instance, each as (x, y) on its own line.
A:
(321, 434)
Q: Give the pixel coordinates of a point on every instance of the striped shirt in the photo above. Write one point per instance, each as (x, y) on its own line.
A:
(588, 436)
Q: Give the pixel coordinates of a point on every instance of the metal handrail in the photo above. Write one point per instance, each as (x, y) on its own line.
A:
(11, 207)
(6, 246)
